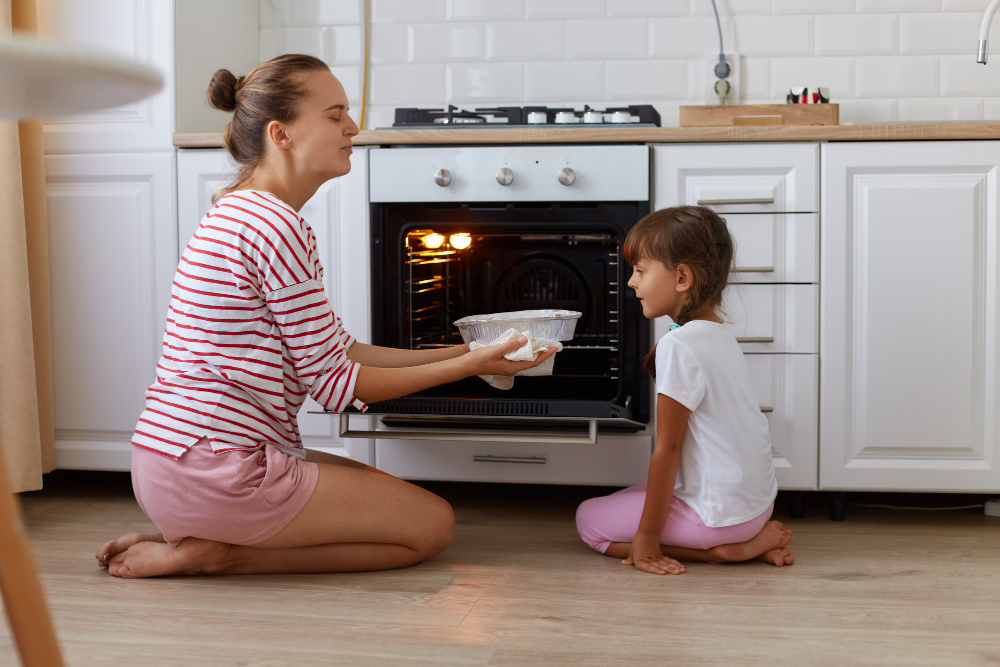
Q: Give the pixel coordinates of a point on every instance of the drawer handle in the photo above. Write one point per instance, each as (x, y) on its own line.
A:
(470, 435)
(766, 408)
(758, 339)
(731, 202)
(752, 269)
(489, 458)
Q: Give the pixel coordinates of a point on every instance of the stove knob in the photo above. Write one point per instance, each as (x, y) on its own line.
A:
(537, 118)
(505, 176)
(567, 176)
(442, 177)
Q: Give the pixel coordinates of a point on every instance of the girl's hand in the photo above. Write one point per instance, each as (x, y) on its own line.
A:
(645, 554)
(490, 360)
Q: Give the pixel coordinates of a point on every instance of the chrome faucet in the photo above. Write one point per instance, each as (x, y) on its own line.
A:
(984, 31)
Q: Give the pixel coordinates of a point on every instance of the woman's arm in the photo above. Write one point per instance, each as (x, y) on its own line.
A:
(671, 425)
(391, 357)
(381, 384)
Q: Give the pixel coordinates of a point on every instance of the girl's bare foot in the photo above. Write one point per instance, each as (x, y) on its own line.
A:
(153, 559)
(115, 547)
(772, 536)
(780, 557)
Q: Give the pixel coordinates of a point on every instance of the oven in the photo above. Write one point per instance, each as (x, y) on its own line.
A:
(459, 231)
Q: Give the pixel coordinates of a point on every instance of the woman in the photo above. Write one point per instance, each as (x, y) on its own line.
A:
(218, 464)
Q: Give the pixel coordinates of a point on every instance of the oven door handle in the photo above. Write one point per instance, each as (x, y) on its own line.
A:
(469, 435)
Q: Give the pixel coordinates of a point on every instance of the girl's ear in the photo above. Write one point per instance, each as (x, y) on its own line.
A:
(277, 134)
(683, 278)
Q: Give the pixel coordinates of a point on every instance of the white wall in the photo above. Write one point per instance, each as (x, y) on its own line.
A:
(884, 60)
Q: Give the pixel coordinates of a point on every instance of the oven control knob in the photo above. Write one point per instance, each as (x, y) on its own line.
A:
(567, 176)
(505, 176)
(442, 177)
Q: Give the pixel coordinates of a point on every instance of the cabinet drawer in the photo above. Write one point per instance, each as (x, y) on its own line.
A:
(616, 460)
(775, 248)
(787, 390)
(738, 178)
(773, 318)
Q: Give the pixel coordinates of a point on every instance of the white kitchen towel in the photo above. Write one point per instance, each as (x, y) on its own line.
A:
(527, 352)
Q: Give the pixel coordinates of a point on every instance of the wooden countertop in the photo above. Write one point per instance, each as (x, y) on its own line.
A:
(938, 130)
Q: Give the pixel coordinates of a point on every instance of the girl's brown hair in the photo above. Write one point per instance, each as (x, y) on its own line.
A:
(691, 235)
(271, 91)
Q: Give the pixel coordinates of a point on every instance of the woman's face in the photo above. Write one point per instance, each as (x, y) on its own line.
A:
(321, 135)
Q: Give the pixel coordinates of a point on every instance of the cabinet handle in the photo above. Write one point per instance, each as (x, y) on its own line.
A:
(758, 339)
(489, 458)
(752, 269)
(730, 202)
(766, 408)
(470, 435)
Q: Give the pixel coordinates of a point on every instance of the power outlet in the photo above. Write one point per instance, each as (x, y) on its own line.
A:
(734, 93)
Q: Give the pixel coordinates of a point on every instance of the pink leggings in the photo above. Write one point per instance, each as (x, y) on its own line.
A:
(615, 518)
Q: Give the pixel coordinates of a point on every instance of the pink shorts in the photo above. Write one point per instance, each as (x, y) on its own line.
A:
(238, 497)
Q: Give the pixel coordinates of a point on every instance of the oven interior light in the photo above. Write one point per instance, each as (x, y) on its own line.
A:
(460, 241)
(433, 240)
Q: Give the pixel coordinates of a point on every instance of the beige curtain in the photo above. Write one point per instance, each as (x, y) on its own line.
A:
(27, 430)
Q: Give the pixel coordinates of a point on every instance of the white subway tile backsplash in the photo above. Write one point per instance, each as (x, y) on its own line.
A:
(485, 10)
(697, 76)
(443, 42)
(812, 6)
(312, 41)
(526, 40)
(343, 45)
(647, 8)
(406, 85)
(964, 6)
(775, 35)
(755, 78)
(305, 13)
(647, 79)
(387, 44)
(350, 78)
(939, 33)
(857, 34)
(687, 36)
(940, 109)
(837, 74)
(962, 76)
(899, 5)
(732, 7)
(861, 111)
(567, 9)
(606, 38)
(992, 108)
(578, 81)
(406, 11)
(480, 82)
(912, 76)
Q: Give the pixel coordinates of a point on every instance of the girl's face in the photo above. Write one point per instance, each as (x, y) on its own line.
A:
(661, 291)
(322, 132)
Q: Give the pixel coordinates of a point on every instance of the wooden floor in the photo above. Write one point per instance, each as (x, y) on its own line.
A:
(518, 587)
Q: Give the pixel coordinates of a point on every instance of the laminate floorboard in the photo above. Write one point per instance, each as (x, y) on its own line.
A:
(518, 587)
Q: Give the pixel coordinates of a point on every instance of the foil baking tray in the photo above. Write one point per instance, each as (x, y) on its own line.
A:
(550, 323)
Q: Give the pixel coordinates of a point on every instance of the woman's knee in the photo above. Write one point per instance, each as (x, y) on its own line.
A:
(439, 528)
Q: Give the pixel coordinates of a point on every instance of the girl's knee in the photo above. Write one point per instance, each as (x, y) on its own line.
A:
(586, 524)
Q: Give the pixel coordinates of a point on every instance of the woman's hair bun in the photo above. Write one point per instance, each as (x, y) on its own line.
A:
(222, 90)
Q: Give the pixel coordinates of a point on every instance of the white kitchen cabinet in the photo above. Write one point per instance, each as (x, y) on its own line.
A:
(773, 318)
(112, 255)
(338, 214)
(775, 247)
(139, 30)
(909, 347)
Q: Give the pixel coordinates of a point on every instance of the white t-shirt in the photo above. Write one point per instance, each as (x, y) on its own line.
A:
(726, 473)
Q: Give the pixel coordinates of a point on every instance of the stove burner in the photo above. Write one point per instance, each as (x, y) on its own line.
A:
(641, 114)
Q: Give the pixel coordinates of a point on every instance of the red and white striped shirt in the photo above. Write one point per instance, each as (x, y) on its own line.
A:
(250, 332)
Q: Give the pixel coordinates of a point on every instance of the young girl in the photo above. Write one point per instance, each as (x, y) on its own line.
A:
(711, 484)
(218, 464)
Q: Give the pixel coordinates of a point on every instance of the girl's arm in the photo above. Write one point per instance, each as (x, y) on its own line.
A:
(671, 425)
(380, 384)
(390, 357)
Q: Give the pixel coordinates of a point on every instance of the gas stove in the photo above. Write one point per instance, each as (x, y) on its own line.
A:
(641, 115)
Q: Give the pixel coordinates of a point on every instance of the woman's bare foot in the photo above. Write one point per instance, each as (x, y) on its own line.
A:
(115, 547)
(772, 536)
(780, 557)
(153, 559)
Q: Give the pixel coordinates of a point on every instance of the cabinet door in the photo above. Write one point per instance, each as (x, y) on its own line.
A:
(112, 255)
(909, 297)
(738, 178)
(139, 30)
(338, 215)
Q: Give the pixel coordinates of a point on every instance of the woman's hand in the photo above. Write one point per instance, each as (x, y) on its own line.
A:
(490, 360)
(645, 554)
